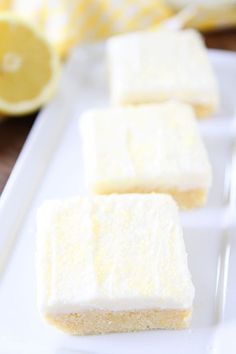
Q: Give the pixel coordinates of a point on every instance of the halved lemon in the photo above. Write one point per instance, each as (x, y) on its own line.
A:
(29, 67)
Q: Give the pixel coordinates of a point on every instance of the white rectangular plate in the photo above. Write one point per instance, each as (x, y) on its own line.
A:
(50, 166)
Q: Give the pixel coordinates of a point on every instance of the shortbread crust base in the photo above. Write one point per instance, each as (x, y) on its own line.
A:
(201, 111)
(101, 322)
(185, 199)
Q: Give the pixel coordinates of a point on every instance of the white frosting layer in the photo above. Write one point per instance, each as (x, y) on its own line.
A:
(144, 148)
(156, 66)
(112, 253)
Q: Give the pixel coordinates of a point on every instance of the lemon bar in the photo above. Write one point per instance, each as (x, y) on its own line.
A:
(150, 67)
(142, 149)
(113, 264)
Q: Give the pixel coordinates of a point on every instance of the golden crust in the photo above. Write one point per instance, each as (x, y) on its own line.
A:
(100, 322)
(185, 199)
(202, 111)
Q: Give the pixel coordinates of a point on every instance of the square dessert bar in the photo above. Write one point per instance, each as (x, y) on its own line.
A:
(149, 67)
(142, 149)
(113, 264)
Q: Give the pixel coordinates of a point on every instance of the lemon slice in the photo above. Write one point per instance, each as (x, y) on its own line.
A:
(29, 67)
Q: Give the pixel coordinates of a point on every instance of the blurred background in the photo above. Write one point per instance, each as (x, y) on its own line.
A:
(67, 23)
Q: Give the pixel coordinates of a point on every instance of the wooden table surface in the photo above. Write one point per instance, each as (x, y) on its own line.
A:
(14, 131)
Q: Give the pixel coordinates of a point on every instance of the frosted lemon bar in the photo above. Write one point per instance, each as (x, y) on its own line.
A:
(113, 264)
(152, 148)
(149, 67)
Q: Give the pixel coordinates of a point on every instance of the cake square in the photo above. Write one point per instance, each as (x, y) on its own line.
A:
(113, 264)
(142, 149)
(150, 67)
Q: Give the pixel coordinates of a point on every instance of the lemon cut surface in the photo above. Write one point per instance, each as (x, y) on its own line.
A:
(29, 67)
